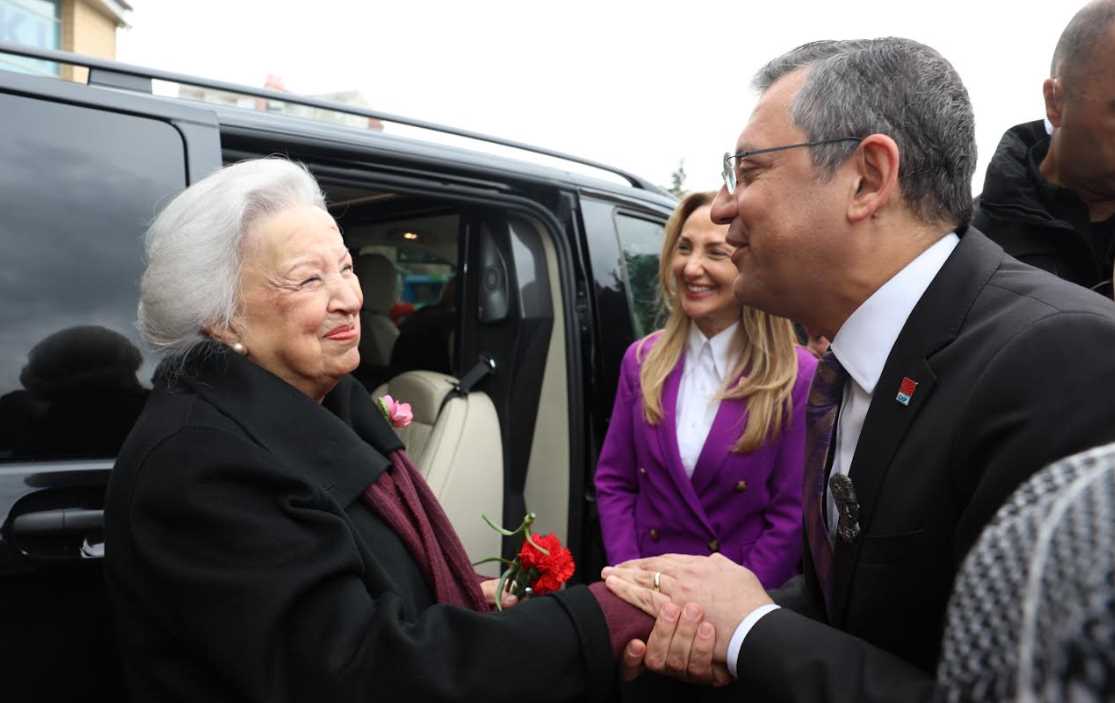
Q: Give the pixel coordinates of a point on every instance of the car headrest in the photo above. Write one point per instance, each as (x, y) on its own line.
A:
(379, 279)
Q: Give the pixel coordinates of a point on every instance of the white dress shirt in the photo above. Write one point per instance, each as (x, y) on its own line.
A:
(706, 365)
(862, 346)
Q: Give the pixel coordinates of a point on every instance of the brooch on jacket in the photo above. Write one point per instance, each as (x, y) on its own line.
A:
(847, 507)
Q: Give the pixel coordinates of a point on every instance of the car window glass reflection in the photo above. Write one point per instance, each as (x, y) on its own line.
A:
(80, 396)
(72, 375)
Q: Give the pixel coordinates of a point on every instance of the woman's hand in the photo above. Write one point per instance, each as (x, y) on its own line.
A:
(489, 588)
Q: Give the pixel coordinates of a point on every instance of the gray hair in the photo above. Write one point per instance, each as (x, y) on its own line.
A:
(194, 248)
(890, 86)
(1078, 42)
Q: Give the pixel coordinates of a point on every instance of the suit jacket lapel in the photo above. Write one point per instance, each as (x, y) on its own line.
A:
(726, 428)
(668, 439)
(933, 324)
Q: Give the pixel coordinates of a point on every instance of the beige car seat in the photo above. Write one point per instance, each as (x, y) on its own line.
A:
(455, 441)
(379, 281)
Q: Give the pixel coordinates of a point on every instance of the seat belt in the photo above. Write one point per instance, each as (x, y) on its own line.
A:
(485, 366)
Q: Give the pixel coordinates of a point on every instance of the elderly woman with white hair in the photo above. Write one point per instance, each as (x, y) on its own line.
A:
(267, 537)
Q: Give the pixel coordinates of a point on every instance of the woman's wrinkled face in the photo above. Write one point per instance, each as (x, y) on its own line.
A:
(704, 273)
(300, 311)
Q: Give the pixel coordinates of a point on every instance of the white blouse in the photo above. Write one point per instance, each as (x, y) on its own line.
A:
(706, 365)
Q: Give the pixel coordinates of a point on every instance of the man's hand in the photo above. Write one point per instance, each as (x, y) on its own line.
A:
(489, 588)
(681, 646)
(724, 590)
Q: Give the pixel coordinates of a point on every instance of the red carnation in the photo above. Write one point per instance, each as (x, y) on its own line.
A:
(541, 566)
(553, 569)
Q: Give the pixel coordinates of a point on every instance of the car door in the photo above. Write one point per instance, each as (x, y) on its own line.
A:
(624, 242)
(84, 171)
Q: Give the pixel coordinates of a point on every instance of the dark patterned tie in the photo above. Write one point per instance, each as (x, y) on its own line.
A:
(820, 416)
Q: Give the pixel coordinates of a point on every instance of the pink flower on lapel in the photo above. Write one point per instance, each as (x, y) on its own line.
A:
(398, 414)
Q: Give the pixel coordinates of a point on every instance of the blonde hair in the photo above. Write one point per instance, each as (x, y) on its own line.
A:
(765, 361)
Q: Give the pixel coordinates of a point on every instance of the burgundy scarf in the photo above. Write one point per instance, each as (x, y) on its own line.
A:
(405, 502)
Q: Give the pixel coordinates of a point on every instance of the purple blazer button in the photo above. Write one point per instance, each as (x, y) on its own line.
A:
(654, 534)
(714, 545)
(741, 486)
(643, 471)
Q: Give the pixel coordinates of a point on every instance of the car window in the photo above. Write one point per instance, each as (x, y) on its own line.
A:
(77, 190)
(407, 269)
(641, 243)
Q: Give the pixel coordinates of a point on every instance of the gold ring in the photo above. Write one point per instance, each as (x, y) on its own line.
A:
(658, 580)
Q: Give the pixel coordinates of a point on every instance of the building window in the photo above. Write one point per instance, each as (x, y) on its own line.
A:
(34, 23)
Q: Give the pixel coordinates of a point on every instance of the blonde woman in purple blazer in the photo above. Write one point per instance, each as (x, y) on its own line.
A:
(706, 444)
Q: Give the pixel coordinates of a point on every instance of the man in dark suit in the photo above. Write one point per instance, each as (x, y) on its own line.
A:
(954, 373)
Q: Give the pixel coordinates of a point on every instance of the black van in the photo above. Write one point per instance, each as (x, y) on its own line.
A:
(524, 281)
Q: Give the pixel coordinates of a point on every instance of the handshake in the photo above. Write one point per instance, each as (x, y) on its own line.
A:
(697, 602)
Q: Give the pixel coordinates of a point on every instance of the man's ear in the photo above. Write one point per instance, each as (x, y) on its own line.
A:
(876, 162)
(1054, 93)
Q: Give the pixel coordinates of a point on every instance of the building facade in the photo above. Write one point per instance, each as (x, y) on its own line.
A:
(81, 26)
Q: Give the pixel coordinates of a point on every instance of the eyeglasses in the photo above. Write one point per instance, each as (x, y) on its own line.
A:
(729, 172)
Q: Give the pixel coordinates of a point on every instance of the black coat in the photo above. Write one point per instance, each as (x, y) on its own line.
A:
(1015, 368)
(1037, 222)
(243, 566)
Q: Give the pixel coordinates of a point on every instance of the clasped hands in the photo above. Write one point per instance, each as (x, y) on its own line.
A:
(697, 606)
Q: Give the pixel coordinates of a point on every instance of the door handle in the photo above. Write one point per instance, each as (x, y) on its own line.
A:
(58, 522)
(61, 533)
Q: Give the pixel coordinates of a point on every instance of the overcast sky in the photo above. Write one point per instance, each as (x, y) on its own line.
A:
(640, 85)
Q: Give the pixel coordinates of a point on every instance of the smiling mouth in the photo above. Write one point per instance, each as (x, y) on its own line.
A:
(343, 333)
(740, 248)
(695, 291)
(735, 239)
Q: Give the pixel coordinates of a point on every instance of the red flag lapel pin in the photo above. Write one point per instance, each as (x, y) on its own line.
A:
(906, 390)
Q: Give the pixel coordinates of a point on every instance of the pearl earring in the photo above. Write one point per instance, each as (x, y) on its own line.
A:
(240, 349)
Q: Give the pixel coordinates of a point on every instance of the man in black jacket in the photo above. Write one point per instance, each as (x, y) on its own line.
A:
(1049, 199)
(955, 372)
